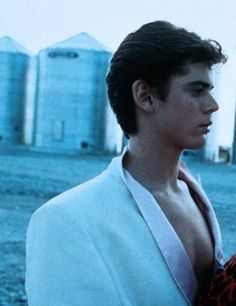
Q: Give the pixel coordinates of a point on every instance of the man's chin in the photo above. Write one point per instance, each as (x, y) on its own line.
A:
(197, 145)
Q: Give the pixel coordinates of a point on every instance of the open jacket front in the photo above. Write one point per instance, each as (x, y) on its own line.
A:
(99, 244)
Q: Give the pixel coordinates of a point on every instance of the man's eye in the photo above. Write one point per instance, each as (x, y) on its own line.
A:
(197, 91)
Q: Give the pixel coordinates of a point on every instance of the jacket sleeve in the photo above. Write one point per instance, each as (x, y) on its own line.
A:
(62, 265)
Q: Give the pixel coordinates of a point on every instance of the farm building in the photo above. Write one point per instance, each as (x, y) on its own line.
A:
(14, 61)
(71, 103)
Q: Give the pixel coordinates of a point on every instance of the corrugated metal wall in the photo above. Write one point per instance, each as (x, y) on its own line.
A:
(13, 68)
(71, 99)
(56, 100)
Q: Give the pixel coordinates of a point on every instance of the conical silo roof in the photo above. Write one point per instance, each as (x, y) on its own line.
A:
(81, 41)
(7, 44)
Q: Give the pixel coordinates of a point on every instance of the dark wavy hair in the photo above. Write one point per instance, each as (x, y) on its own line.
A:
(154, 53)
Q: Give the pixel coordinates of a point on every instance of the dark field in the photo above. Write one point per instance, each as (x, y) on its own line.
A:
(28, 179)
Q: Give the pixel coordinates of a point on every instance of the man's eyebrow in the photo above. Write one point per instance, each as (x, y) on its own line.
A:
(200, 83)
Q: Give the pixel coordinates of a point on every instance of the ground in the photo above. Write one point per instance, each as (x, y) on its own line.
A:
(28, 179)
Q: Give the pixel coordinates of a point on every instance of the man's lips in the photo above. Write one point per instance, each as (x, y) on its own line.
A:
(206, 124)
(204, 127)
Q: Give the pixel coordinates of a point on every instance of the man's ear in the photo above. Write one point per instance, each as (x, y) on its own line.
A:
(142, 95)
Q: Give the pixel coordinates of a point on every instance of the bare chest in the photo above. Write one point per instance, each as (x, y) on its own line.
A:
(192, 229)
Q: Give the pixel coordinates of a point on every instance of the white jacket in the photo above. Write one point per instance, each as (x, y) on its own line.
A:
(94, 246)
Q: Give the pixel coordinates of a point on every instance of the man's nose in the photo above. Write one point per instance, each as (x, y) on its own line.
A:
(211, 105)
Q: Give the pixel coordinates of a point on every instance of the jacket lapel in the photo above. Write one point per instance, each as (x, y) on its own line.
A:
(202, 200)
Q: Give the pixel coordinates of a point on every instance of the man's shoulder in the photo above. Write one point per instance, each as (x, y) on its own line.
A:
(89, 196)
(87, 191)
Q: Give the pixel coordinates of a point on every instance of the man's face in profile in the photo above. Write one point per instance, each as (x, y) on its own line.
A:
(184, 118)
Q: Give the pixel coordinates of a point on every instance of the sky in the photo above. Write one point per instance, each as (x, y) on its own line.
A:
(39, 24)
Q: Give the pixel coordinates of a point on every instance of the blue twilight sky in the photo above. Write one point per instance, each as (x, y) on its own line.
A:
(39, 24)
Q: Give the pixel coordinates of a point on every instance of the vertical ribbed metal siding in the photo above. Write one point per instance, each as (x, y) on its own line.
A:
(71, 95)
(101, 102)
(13, 69)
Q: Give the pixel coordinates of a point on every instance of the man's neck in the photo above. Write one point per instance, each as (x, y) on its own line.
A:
(156, 167)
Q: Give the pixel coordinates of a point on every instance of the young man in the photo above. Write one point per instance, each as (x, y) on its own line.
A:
(143, 232)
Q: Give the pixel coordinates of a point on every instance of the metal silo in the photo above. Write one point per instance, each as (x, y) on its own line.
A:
(71, 96)
(13, 68)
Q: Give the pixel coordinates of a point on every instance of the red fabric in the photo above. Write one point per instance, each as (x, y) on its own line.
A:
(221, 291)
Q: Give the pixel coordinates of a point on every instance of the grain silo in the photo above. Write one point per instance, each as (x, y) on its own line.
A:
(13, 68)
(71, 101)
